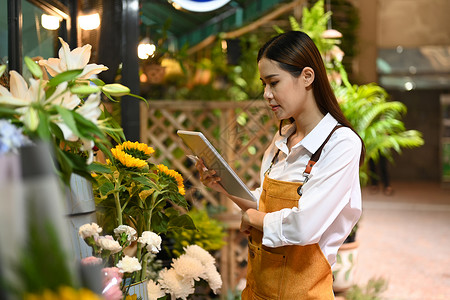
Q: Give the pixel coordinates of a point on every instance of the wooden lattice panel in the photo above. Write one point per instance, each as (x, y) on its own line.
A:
(240, 131)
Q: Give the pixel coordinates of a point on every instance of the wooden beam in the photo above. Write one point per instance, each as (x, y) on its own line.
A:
(251, 27)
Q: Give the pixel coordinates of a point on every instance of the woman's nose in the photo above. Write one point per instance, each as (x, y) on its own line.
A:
(267, 93)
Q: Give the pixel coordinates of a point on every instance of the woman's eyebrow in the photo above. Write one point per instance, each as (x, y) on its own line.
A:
(269, 76)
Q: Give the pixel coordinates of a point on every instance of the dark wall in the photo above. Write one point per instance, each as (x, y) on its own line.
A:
(424, 115)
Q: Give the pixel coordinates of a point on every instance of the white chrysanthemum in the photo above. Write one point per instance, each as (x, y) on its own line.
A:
(201, 254)
(189, 267)
(213, 278)
(152, 240)
(175, 284)
(129, 264)
(130, 231)
(107, 243)
(154, 290)
(88, 230)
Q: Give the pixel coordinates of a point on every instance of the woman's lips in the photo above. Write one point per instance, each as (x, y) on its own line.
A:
(274, 107)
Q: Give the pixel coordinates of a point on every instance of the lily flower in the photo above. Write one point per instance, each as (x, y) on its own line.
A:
(78, 58)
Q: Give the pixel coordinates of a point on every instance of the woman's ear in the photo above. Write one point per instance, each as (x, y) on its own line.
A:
(308, 76)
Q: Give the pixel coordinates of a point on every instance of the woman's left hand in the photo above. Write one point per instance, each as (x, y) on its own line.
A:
(252, 218)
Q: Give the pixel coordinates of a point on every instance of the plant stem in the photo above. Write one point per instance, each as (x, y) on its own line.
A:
(117, 201)
(144, 266)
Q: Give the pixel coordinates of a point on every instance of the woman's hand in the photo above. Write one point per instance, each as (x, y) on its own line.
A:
(252, 218)
(209, 178)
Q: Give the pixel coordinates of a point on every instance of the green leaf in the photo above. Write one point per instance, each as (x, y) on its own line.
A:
(97, 82)
(68, 118)
(183, 221)
(33, 67)
(65, 76)
(106, 188)
(159, 222)
(99, 168)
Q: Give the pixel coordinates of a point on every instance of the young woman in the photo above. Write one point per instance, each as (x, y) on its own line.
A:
(310, 197)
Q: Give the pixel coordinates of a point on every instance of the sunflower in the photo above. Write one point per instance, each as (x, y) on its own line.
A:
(126, 159)
(174, 174)
(137, 150)
(64, 292)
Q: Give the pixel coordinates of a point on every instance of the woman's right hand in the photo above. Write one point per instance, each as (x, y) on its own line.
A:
(209, 178)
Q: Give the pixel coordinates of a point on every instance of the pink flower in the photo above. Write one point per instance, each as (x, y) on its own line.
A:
(91, 260)
(112, 292)
(110, 273)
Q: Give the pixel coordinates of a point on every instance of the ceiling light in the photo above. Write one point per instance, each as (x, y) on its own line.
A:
(50, 22)
(89, 22)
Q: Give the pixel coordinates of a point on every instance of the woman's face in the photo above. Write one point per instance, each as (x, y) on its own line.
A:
(284, 92)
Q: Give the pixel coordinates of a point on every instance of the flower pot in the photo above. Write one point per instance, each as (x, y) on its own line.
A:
(80, 209)
(344, 269)
(139, 289)
(155, 73)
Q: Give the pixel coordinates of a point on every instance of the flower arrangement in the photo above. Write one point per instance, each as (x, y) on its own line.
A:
(130, 190)
(64, 110)
(178, 281)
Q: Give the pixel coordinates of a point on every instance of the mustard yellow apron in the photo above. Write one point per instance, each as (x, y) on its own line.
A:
(289, 272)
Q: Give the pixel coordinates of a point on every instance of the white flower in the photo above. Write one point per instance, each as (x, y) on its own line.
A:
(154, 290)
(213, 278)
(152, 240)
(129, 264)
(107, 243)
(201, 254)
(189, 267)
(175, 284)
(23, 97)
(88, 230)
(72, 60)
(130, 232)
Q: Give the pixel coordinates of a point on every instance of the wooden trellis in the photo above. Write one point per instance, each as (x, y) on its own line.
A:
(240, 131)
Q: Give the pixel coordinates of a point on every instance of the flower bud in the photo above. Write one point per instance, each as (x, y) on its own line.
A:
(2, 69)
(84, 90)
(31, 119)
(33, 67)
(116, 89)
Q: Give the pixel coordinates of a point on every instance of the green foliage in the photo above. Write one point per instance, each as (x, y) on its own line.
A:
(141, 197)
(377, 120)
(371, 291)
(209, 233)
(43, 263)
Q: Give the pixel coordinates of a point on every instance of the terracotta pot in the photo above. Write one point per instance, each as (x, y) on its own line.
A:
(155, 73)
(344, 269)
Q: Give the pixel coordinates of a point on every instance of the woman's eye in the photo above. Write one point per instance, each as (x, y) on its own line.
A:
(273, 83)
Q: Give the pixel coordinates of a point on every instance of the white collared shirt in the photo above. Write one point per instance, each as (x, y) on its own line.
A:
(331, 201)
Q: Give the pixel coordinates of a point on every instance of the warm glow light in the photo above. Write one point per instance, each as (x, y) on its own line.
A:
(145, 50)
(409, 85)
(89, 22)
(50, 22)
(331, 34)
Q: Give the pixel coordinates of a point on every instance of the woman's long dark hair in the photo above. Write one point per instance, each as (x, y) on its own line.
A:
(295, 50)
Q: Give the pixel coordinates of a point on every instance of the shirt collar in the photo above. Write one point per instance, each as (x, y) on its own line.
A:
(313, 140)
(318, 135)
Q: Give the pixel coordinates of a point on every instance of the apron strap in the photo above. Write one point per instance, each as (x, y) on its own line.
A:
(315, 157)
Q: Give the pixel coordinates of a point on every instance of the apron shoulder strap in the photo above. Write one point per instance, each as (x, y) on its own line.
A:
(315, 157)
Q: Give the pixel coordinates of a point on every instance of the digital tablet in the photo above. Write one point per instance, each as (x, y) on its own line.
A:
(203, 149)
